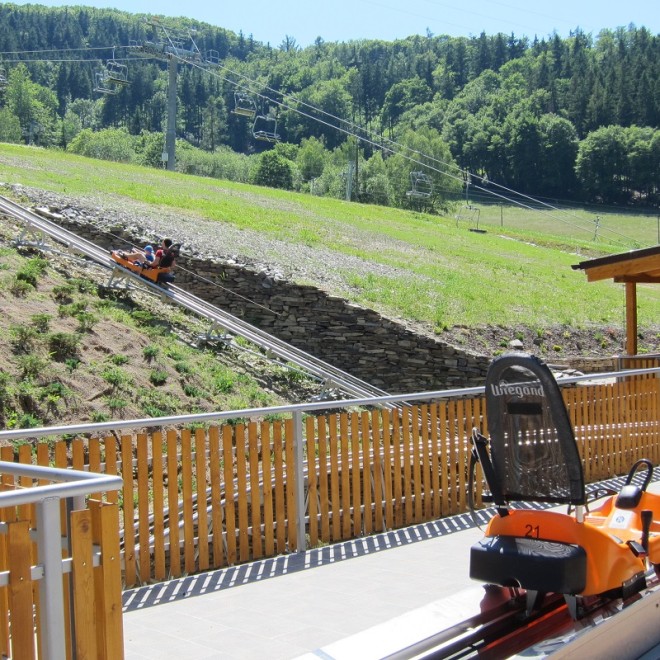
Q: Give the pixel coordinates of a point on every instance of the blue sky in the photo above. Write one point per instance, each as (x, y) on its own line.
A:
(344, 20)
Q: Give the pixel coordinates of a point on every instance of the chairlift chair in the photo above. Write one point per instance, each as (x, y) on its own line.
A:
(212, 57)
(244, 105)
(117, 72)
(265, 129)
(421, 185)
(532, 456)
(101, 83)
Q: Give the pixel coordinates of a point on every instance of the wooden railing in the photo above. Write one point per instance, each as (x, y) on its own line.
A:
(60, 568)
(195, 500)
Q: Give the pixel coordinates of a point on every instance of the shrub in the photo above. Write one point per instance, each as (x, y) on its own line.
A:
(5, 391)
(99, 416)
(72, 364)
(20, 288)
(183, 368)
(28, 395)
(108, 144)
(86, 321)
(32, 365)
(72, 309)
(84, 286)
(41, 322)
(115, 376)
(119, 359)
(28, 421)
(63, 347)
(156, 403)
(142, 317)
(158, 377)
(116, 404)
(22, 337)
(150, 352)
(223, 381)
(193, 392)
(58, 389)
(32, 270)
(274, 170)
(63, 293)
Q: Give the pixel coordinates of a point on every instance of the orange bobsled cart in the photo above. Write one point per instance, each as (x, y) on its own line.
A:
(531, 456)
(142, 269)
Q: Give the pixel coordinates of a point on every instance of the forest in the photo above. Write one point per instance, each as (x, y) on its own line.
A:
(420, 122)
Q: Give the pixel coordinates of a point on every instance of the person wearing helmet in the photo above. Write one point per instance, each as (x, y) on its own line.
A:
(143, 257)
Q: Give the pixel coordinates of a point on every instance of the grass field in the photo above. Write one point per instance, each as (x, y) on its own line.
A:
(439, 272)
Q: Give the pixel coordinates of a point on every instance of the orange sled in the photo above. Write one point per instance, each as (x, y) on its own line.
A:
(532, 456)
(155, 275)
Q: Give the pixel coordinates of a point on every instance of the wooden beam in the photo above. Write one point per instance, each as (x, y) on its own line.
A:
(631, 266)
(631, 318)
(644, 278)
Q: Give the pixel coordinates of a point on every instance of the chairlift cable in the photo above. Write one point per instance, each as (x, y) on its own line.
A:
(390, 146)
(400, 147)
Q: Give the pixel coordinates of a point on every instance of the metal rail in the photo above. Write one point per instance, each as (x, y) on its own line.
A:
(71, 485)
(504, 630)
(328, 373)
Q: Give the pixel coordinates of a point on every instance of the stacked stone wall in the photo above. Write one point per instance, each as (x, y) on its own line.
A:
(381, 351)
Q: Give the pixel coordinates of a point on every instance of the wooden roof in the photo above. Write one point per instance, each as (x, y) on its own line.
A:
(640, 266)
(631, 268)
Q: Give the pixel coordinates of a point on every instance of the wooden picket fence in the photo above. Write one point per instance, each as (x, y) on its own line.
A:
(193, 500)
(91, 596)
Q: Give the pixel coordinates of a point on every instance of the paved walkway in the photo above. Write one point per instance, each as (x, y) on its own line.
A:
(296, 604)
(316, 604)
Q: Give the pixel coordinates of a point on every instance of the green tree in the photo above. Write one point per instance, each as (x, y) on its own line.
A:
(71, 126)
(149, 149)
(311, 158)
(273, 170)
(214, 123)
(601, 165)
(403, 96)
(10, 126)
(559, 147)
(422, 150)
(374, 183)
(34, 105)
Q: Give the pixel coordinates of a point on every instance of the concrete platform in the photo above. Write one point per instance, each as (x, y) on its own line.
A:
(293, 605)
(315, 604)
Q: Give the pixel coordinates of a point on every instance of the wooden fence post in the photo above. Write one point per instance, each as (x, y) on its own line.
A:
(20, 591)
(84, 598)
(107, 581)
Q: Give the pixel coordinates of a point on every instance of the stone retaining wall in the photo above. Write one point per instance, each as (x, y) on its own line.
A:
(359, 341)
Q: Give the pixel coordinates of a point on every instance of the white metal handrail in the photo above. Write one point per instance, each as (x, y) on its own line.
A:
(69, 484)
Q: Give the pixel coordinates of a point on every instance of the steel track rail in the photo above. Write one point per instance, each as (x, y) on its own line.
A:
(505, 631)
(232, 324)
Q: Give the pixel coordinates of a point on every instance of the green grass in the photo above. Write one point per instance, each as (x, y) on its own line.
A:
(430, 268)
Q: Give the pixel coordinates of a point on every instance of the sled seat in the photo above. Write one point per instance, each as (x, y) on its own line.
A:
(537, 564)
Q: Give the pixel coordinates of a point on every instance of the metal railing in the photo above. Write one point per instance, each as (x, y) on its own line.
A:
(72, 486)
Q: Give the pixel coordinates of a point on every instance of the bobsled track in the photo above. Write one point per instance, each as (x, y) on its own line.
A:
(38, 229)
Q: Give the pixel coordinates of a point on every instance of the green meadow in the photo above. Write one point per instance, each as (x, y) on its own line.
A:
(426, 268)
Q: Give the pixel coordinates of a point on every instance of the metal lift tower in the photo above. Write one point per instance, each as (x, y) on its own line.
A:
(171, 49)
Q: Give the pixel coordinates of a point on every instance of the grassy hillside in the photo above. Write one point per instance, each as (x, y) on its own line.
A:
(72, 355)
(424, 268)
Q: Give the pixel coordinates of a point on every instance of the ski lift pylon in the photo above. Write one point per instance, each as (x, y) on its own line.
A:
(421, 185)
(244, 105)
